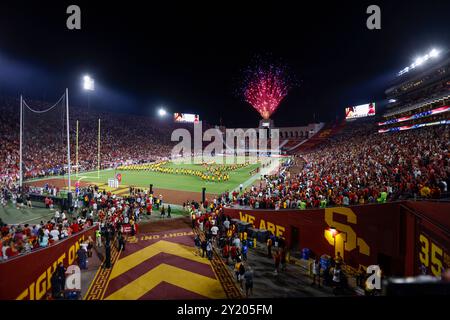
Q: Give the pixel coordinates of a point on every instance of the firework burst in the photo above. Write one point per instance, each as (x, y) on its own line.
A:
(265, 86)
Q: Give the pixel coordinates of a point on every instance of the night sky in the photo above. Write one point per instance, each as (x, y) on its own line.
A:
(189, 56)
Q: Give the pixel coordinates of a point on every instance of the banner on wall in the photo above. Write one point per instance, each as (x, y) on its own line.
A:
(432, 237)
(363, 235)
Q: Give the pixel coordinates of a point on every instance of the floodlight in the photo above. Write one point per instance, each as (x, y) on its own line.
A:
(162, 112)
(333, 231)
(434, 53)
(419, 61)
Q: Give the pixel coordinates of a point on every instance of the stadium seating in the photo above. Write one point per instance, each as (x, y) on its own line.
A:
(124, 138)
(345, 163)
(356, 165)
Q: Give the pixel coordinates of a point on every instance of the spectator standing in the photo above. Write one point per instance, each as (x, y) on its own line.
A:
(198, 244)
(241, 274)
(203, 245)
(226, 252)
(337, 279)
(121, 241)
(248, 276)
(277, 259)
(244, 250)
(209, 249)
(237, 267)
(82, 258)
(98, 237)
(269, 248)
(316, 272)
(338, 259)
(214, 233)
(90, 245)
(283, 258)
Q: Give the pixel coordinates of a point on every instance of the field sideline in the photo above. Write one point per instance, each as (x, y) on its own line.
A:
(171, 181)
(176, 188)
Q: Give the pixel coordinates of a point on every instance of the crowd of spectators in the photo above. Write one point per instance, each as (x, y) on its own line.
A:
(215, 230)
(23, 238)
(90, 206)
(233, 244)
(124, 139)
(356, 166)
(359, 166)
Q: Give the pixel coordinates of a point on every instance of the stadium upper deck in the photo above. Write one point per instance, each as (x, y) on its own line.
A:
(425, 84)
(419, 95)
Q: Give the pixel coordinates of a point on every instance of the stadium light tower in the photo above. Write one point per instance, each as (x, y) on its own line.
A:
(434, 53)
(419, 61)
(88, 85)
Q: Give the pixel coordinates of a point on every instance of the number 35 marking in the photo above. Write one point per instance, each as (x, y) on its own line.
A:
(436, 255)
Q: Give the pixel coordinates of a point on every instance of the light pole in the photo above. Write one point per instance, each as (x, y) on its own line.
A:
(88, 85)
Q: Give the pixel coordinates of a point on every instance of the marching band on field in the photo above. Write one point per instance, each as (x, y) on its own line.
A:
(211, 173)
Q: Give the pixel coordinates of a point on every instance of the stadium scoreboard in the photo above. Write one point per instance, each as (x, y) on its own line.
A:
(361, 111)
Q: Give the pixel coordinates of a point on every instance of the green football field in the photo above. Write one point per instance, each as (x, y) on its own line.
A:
(173, 181)
(11, 215)
(142, 178)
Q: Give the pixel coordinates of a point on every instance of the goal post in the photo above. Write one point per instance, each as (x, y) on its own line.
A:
(68, 139)
(44, 144)
(20, 144)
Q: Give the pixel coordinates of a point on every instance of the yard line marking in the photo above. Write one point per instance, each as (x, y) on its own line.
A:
(36, 218)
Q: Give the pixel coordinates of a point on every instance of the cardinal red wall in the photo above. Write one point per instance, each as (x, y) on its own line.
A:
(401, 237)
(390, 231)
(430, 228)
(28, 276)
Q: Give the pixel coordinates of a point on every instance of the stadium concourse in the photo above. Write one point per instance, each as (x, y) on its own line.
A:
(164, 261)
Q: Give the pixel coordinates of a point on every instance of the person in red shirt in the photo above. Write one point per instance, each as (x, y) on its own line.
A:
(75, 227)
(371, 109)
(226, 253)
(11, 251)
(5, 230)
(27, 230)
